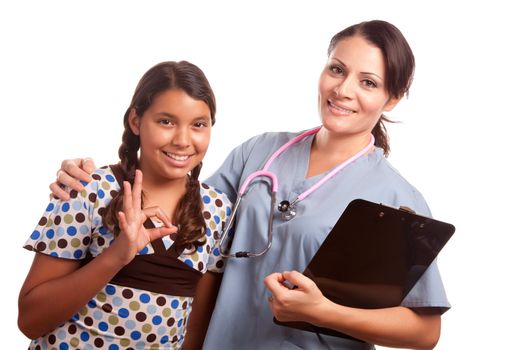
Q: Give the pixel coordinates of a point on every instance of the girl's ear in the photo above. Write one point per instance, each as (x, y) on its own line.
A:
(134, 122)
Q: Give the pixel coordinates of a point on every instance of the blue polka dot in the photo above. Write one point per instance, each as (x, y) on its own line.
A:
(208, 232)
(188, 262)
(84, 229)
(35, 235)
(144, 251)
(101, 194)
(77, 205)
(175, 304)
(103, 326)
(200, 249)
(123, 313)
(135, 335)
(55, 254)
(71, 230)
(67, 255)
(103, 230)
(110, 178)
(110, 290)
(151, 309)
(113, 347)
(65, 207)
(50, 233)
(217, 219)
(216, 252)
(78, 253)
(156, 320)
(218, 191)
(92, 303)
(76, 317)
(50, 207)
(206, 199)
(84, 336)
(180, 322)
(164, 339)
(228, 211)
(144, 298)
(117, 301)
(63, 346)
(61, 334)
(84, 183)
(140, 345)
(60, 231)
(130, 324)
(97, 315)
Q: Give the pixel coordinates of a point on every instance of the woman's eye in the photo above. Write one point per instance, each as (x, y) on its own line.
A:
(336, 69)
(369, 83)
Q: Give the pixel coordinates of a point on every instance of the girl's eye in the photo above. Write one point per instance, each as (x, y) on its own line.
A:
(336, 69)
(165, 122)
(369, 83)
(200, 125)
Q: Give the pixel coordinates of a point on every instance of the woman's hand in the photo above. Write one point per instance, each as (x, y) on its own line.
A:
(133, 235)
(300, 303)
(71, 172)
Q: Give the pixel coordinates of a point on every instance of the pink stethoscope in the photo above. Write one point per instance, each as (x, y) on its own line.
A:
(285, 207)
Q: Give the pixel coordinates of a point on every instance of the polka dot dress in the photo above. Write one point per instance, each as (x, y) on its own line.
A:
(120, 317)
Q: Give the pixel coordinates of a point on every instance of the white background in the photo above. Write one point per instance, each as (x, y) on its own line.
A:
(68, 70)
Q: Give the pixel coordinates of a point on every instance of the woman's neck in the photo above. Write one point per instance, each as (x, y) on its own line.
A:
(330, 149)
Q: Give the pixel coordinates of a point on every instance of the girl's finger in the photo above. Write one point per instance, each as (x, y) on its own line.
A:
(137, 190)
(127, 205)
(159, 214)
(122, 222)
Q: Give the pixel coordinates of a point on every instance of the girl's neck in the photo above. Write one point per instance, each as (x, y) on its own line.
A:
(163, 194)
(330, 149)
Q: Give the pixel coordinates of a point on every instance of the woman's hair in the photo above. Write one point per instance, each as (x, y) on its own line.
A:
(399, 63)
(158, 79)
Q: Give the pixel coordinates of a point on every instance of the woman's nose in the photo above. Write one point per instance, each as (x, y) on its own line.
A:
(345, 88)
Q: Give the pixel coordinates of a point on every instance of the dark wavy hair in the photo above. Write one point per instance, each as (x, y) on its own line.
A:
(399, 64)
(162, 77)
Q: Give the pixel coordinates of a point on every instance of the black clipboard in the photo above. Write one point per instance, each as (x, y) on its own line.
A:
(381, 252)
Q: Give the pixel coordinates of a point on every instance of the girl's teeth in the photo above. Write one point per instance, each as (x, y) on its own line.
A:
(179, 158)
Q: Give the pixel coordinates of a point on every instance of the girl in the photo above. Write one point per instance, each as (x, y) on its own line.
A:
(109, 274)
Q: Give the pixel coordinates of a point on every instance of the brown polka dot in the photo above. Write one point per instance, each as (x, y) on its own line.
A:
(107, 308)
(141, 316)
(205, 186)
(72, 329)
(170, 322)
(220, 264)
(88, 321)
(41, 246)
(113, 193)
(80, 217)
(86, 241)
(92, 197)
(119, 330)
(101, 211)
(99, 342)
(185, 305)
(200, 266)
(96, 177)
(57, 220)
(36, 348)
(151, 337)
(101, 241)
(62, 243)
(52, 339)
(43, 221)
(73, 194)
(206, 215)
(218, 202)
(127, 293)
(161, 301)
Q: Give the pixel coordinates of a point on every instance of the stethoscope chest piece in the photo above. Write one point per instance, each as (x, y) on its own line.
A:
(287, 210)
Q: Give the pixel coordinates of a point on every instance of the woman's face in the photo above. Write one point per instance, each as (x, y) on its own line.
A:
(174, 135)
(352, 93)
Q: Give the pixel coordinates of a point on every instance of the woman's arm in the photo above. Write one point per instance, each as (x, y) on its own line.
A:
(202, 309)
(397, 327)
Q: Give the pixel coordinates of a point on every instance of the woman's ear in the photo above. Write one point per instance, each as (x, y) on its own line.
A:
(392, 102)
(134, 122)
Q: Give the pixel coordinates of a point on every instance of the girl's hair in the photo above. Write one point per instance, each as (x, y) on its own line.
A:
(399, 63)
(160, 78)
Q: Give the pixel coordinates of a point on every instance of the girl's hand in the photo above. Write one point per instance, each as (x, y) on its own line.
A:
(133, 235)
(300, 303)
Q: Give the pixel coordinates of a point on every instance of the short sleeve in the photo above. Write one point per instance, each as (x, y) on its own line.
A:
(64, 230)
(217, 210)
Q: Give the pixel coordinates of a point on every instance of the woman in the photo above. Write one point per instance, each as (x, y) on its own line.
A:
(109, 274)
(370, 68)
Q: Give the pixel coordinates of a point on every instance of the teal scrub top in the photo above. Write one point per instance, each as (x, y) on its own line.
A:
(242, 318)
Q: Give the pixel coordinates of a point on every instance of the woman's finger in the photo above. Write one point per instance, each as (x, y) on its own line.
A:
(72, 168)
(66, 179)
(58, 192)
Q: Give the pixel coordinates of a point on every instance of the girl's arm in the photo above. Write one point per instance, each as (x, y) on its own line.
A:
(202, 309)
(397, 327)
